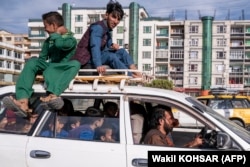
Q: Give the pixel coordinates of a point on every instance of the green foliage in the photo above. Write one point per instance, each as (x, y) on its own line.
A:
(160, 83)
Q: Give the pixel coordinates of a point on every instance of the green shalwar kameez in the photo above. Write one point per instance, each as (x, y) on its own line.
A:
(53, 63)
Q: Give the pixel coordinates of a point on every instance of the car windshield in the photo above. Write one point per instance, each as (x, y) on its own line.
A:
(243, 133)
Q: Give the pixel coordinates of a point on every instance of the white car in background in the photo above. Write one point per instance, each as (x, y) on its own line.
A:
(25, 147)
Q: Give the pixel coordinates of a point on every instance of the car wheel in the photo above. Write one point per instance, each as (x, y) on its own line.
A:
(238, 122)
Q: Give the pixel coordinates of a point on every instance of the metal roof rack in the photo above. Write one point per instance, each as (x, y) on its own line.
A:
(223, 91)
(111, 76)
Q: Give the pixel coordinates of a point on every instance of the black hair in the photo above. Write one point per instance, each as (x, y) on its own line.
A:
(53, 17)
(158, 113)
(115, 8)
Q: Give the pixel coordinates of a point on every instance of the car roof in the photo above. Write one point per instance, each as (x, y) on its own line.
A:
(109, 89)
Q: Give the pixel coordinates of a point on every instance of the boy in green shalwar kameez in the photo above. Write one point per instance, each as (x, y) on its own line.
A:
(56, 51)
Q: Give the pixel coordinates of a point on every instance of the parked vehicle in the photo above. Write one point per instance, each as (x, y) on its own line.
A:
(230, 105)
(29, 146)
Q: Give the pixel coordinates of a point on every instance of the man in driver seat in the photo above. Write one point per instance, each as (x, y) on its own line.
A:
(162, 123)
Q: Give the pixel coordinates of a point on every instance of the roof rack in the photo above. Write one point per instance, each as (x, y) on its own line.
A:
(111, 76)
(223, 91)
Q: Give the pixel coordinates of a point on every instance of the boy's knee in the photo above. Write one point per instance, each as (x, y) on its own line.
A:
(32, 62)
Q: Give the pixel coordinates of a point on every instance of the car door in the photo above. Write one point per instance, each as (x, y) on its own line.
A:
(241, 110)
(64, 152)
(137, 154)
(13, 139)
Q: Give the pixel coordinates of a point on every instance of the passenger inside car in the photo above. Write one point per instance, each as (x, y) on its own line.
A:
(94, 119)
(3, 121)
(56, 128)
(161, 124)
(138, 121)
(74, 122)
(105, 134)
(29, 122)
(111, 114)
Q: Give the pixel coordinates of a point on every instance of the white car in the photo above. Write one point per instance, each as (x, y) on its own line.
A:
(24, 143)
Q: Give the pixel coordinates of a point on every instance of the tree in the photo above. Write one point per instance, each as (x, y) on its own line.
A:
(160, 83)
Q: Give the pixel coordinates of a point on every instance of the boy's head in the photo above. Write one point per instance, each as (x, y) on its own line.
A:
(111, 109)
(115, 8)
(114, 13)
(106, 134)
(52, 20)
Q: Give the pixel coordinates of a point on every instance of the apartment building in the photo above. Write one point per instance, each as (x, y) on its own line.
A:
(195, 54)
(13, 52)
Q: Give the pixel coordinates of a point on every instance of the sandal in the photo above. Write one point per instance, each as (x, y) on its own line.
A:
(52, 102)
(9, 104)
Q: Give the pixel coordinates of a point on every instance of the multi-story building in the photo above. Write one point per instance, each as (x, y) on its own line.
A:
(13, 52)
(195, 54)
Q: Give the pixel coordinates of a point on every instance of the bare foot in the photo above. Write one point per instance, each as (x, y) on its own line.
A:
(22, 104)
(137, 75)
(48, 98)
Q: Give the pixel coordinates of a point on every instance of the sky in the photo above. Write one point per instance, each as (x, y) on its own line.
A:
(14, 14)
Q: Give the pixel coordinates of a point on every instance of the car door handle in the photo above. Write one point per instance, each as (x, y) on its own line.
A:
(140, 162)
(39, 154)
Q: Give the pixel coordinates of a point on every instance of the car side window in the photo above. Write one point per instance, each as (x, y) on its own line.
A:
(98, 122)
(16, 124)
(184, 126)
(238, 103)
(219, 104)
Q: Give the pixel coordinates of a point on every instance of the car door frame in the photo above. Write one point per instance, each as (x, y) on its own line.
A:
(57, 150)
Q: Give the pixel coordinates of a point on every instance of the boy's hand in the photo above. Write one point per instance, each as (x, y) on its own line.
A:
(101, 69)
(61, 30)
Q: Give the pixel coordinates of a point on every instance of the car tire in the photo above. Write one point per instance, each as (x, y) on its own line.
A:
(238, 122)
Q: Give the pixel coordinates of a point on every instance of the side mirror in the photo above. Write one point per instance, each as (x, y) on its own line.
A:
(223, 141)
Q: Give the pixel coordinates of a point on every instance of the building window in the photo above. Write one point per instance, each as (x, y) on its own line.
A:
(18, 39)
(92, 18)
(193, 80)
(236, 30)
(78, 30)
(193, 55)
(78, 18)
(162, 45)
(177, 31)
(220, 55)
(193, 42)
(162, 32)
(146, 42)
(146, 67)
(161, 69)
(193, 29)
(177, 42)
(8, 64)
(237, 54)
(176, 54)
(220, 68)
(1, 51)
(18, 55)
(119, 42)
(221, 29)
(146, 29)
(219, 81)
(8, 53)
(146, 55)
(120, 29)
(1, 63)
(17, 66)
(221, 42)
(8, 38)
(193, 67)
(237, 43)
